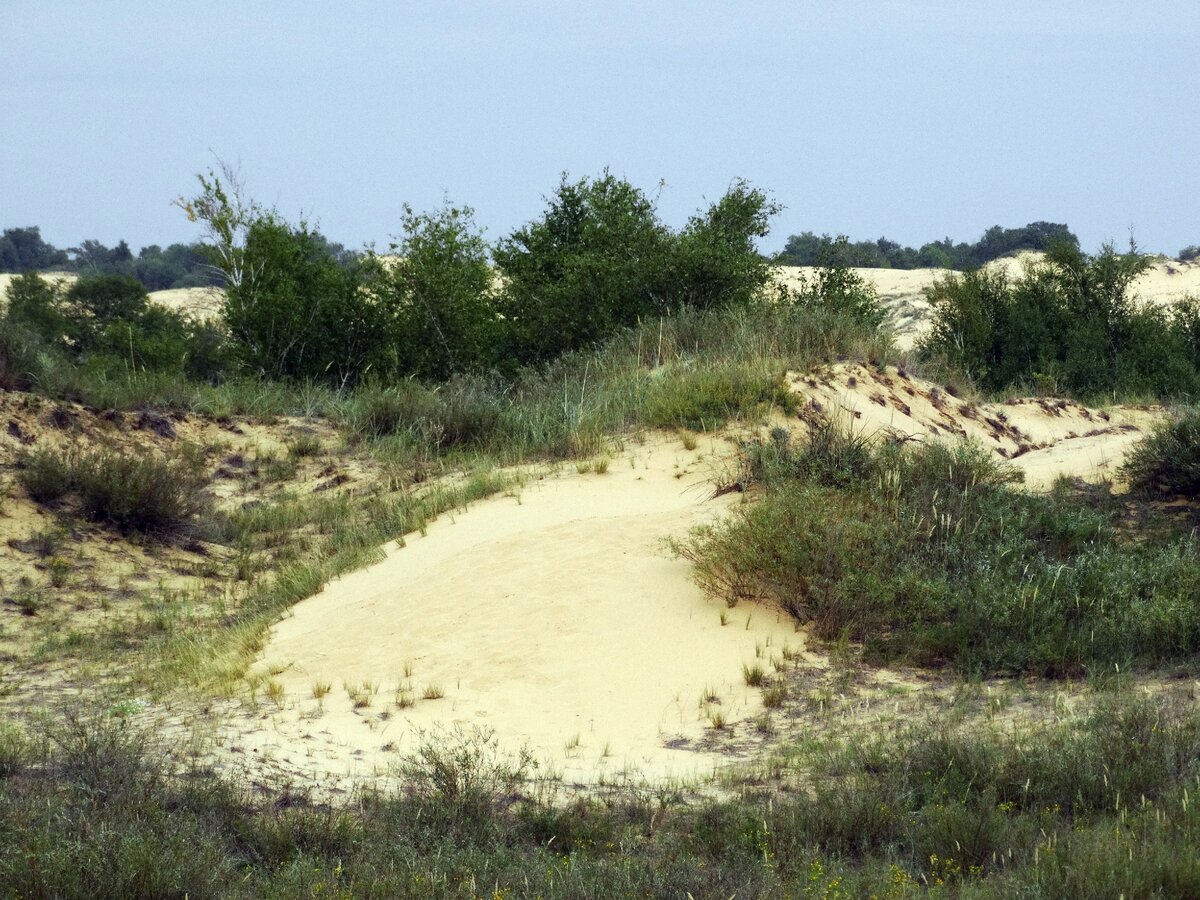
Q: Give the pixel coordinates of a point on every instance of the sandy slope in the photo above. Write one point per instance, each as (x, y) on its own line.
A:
(557, 618)
(1044, 437)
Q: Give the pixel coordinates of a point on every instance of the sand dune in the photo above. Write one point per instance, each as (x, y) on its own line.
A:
(559, 619)
(1044, 437)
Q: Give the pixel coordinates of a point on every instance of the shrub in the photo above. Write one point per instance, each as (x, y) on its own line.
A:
(837, 289)
(439, 290)
(1168, 460)
(462, 777)
(295, 311)
(133, 491)
(599, 260)
(1068, 325)
(927, 554)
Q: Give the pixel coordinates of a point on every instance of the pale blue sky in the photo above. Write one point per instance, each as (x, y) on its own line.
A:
(914, 119)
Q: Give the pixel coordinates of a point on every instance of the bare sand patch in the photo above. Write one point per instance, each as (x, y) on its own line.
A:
(1044, 437)
(557, 618)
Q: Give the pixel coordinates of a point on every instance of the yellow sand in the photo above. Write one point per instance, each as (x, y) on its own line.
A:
(1044, 437)
(557, 618)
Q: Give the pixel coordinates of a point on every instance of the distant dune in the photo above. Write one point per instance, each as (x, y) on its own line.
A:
(902, 290)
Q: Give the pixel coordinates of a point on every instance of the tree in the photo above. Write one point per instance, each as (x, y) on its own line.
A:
(23, 250)
(439, 292)
(597, 260)
(717, 262)
(295, 312)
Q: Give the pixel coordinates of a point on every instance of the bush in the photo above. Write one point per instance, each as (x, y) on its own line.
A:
(837, 289)
(295, 311)
(439, 290)
(1168, 460)
(462, 778)
(133, 491)
(927, 554)
(1069, 325)
(600, 260)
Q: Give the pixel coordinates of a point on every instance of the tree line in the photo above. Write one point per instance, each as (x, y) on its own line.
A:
(809, 249)
(442, 302)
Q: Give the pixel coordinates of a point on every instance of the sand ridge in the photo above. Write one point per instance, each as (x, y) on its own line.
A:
(1044, 437)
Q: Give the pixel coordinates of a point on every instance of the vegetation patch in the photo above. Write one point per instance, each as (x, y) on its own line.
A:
(930, 554)
(132, 491)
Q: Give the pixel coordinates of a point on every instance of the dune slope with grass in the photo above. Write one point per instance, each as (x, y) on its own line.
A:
(556, 617)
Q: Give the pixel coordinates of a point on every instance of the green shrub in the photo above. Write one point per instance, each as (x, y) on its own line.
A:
(837, 289)
(132, 491)
(1168, 460)
(47, 475)
(928, 554)
(600, 260)
(1069, 325)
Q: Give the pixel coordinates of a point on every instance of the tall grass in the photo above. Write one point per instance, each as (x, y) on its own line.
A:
(1102, 805)
(135, 492)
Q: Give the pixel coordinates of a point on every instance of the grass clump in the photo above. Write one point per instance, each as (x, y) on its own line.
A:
(929, 554)
(134, 492)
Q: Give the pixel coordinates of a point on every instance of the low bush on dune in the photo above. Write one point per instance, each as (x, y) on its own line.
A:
(135, 492)
(929, 554)
(1070, 325)
(1168, 461)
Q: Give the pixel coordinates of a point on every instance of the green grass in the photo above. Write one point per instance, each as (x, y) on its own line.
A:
(1098, 805)
(930, 555)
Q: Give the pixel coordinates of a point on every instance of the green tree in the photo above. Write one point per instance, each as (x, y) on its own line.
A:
(295, 312)
(438, 294)
(597, 260)
(717, 262)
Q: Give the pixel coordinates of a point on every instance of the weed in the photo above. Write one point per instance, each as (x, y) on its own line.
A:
(753, 675)
(433, 691)
(321, 689)
(58, 569)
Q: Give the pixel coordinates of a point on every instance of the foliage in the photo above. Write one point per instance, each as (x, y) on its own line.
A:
(107, 323)
(599, 259)
(23, 250)
(1073, 807)
(808, 249)
(836, 288)
(596, 261)
(439, 294)
(926, 554)
(133, 491)
(1168, 461)
(1069, 325)
(293, 311)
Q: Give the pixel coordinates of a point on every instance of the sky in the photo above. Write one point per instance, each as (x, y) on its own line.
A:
(914, 119)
